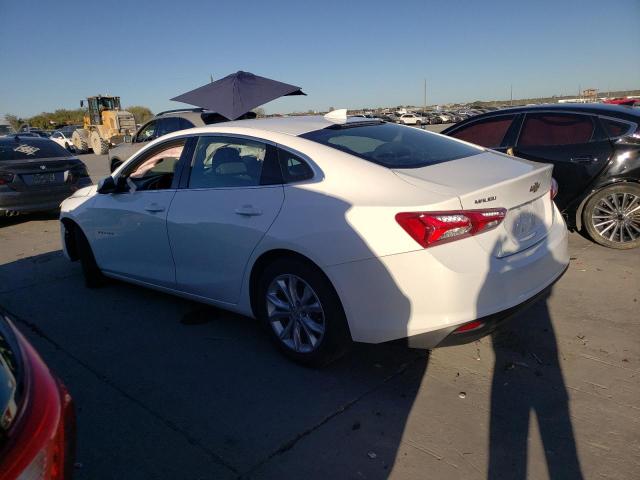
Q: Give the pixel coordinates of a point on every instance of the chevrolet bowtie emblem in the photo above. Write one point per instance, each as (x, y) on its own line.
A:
(43, 167)
(534, 188)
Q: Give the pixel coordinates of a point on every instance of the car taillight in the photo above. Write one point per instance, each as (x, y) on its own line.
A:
(435, 228)
(553, 191)
(41, 443)
(6, 178)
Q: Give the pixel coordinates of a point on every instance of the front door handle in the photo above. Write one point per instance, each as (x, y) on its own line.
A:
(248, 211)
(154, 208)
(583, 159)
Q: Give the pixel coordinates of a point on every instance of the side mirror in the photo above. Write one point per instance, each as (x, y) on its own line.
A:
(107, 185)
(81, 103)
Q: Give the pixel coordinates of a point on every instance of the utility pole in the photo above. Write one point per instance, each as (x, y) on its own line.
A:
(211, 77)
(425, 95)
(512, 94)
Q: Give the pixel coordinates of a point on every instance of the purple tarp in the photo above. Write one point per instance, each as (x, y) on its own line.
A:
(237, 94)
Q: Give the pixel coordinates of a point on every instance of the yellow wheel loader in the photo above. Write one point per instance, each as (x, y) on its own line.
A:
(104, 125)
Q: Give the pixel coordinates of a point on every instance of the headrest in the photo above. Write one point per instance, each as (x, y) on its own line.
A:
(225, 155)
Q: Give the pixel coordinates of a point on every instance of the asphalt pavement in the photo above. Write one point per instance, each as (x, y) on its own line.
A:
(166, 388)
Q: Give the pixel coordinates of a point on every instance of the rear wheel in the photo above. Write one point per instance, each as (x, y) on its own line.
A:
(612, 216)
(93, 277)
(302, 312)
(99, 145)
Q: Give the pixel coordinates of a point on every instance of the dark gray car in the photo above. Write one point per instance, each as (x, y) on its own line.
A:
(36, 174)
(162, 124)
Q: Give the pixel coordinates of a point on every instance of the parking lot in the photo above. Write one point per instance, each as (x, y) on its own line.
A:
(166, 388)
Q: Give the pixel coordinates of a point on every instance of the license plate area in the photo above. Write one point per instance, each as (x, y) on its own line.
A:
(525, 226)
(43, 178)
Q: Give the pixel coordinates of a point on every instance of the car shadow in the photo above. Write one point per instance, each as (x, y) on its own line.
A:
(213, 378)
(528, 383)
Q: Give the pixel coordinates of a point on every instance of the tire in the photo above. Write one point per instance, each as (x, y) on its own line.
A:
(93, 277)
(98, 144)
(609, 217)
(418, 124)
(80, 140)
(319, 317)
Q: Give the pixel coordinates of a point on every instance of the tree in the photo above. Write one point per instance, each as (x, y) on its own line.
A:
(14, 121)
(260, 113)
(140, 113)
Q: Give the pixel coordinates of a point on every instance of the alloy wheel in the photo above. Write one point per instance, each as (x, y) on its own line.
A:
(295, 313)
(616, 217)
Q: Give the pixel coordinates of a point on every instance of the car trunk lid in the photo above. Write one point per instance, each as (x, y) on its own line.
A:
(493, 180)
(43, 172)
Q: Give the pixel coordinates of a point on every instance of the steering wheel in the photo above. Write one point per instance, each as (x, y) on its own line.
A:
(392, 152)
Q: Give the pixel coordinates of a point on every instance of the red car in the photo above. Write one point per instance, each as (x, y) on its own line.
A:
(37, 417)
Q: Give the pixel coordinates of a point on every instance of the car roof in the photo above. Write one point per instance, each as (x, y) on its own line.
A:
(289, 125)
(595, 108)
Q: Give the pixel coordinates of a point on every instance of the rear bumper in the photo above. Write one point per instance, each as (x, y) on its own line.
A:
(446, 337)
(428, 293)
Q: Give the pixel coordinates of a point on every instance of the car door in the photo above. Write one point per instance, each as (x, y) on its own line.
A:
(571, 142)
(128, 228)
(232, 197)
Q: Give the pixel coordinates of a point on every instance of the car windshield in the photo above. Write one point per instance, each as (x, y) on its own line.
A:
(392, 145)
(25, 148)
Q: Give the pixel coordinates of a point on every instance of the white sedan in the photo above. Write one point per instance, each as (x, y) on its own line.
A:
(327, 229)
(61, 139)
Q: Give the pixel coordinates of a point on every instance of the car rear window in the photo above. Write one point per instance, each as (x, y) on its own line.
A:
(393, 146)
(25, 148)
(488, 133)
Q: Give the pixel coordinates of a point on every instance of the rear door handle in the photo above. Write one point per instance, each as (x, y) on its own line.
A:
(584, 159)
(248, 211)
(154, 208)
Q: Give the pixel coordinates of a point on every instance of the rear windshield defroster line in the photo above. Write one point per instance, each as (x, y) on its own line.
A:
(391, 145)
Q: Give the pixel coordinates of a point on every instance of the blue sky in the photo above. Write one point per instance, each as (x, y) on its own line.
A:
(342, 53)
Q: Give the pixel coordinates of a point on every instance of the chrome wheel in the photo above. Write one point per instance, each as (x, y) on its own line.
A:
(616, 217)
(295, 313)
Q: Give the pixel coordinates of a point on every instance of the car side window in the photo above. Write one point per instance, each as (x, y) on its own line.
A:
(167, 125)
(184, 124)
(294, 169)
(56, 135)
(552, 129)
(220, 162)
(147, 133)
(487, 133)
(155, 169)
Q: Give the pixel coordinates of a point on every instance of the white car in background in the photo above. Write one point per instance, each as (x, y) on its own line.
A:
(327, 229)
(410, 119)
(61, 139)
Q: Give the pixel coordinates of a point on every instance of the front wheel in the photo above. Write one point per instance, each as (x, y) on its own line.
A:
(93, 277)
(612, 216)
(302, 312)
